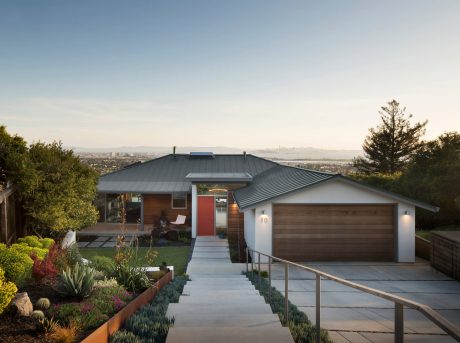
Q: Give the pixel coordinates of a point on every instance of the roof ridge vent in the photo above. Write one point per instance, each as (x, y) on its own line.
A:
(201, 155)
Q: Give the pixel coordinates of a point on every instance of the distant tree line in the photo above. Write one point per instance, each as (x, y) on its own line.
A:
(397, 159)
(54, 187)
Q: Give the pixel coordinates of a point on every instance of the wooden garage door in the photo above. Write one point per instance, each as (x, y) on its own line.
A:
(333, 232)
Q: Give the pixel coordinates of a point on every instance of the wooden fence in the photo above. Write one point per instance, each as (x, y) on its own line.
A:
(103, 332)
(11, 223)
(422, 248)
(445, 252)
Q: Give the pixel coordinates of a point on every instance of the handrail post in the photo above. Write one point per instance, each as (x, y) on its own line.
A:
(260, 278)
(318, 308)
(247, 259)
(270, 280)
(286, 292)
(252, 266)
(399, 323)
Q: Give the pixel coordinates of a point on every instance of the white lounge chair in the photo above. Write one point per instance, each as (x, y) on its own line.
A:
(180, 220)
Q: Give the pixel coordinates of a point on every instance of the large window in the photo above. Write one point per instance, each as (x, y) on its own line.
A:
(119, 205)
(100, 205)
(179, 200)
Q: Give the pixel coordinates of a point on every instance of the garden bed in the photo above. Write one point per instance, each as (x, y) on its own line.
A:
(72, 297)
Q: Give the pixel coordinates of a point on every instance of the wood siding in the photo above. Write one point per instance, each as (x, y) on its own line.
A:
(235, 231)
(445, 254)
(333, 232)
(154, 204)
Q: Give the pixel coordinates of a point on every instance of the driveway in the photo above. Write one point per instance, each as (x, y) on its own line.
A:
(353, 316)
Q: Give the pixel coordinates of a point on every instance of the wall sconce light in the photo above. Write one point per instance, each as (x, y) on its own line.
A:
(263, 217)
(407, 213)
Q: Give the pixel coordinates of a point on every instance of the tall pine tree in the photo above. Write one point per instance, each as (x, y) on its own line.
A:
(389, 147)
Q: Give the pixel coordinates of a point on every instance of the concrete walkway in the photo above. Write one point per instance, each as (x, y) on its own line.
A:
(219, 304)
(353, 316)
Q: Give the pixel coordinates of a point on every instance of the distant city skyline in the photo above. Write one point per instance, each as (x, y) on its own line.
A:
(245, 74)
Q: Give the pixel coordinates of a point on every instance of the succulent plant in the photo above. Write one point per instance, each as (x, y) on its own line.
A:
(47, 325)
(43, 304)
(77, 281)
(37, 314)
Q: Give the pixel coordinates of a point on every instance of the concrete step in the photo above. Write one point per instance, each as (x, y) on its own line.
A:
(224, 320)
(211, 255)
(210, 239)
(211, 244)
(210, 290)
(241, 300)
(223, 293)
(229, 335)
(230, 309)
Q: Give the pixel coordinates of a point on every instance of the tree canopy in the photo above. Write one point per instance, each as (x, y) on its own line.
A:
(55, 188)
(389, 147)
(434, 177)
(12, 151)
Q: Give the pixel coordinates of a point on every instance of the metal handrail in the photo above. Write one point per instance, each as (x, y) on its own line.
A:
(399, 302)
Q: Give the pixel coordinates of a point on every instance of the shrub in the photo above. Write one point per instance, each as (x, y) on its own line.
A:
(7, 291)
(28, 250)
(65, 334)
(46, 242)
(150, 324)
(16, 264)
(47, 267)
(132, 278)
(123, 336)
(106, 283)
(301, 328)
(77, 281)
(31, 241)
(43, 303)
(64, 313)
(47, 325)
(104, 264)
(68, 257)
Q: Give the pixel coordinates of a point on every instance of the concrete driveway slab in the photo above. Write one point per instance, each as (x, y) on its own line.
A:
(351, 315)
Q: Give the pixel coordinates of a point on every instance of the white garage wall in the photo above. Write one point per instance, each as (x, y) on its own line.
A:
(338, 192)
(406, 233)
(249, 230)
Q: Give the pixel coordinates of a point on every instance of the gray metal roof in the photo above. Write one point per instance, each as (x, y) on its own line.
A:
(168, 173)
(283, 180)
(275, 182)
(219, 177)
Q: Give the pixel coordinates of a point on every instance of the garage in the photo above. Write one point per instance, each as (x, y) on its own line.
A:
(305, 232)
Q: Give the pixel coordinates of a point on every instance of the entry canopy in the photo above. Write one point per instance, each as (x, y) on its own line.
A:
(219, 177)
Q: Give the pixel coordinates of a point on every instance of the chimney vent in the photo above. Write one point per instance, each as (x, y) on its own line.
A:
(244, 154)
(174, 151)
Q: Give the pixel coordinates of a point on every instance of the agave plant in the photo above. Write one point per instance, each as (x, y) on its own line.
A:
(77, 281)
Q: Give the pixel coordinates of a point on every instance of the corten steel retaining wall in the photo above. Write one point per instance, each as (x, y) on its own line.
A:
(445, 253)
(422, 248)
(103, 332)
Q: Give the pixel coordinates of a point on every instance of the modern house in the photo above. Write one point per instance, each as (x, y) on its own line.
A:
(292, 213)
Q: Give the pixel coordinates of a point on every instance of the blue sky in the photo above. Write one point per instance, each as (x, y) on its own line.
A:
(248, 74)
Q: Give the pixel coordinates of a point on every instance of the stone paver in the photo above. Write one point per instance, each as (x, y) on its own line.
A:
(353, 316)
(220, 304)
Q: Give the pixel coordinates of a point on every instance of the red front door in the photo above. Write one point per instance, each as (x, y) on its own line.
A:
(206, 215)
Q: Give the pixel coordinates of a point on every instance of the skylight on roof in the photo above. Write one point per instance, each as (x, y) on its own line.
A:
(202, 154)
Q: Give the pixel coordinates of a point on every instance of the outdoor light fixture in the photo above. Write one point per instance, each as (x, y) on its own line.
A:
(263, 217)
(407, 213)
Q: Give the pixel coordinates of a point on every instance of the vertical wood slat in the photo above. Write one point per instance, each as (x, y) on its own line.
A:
(334, 232)
(445, 253)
